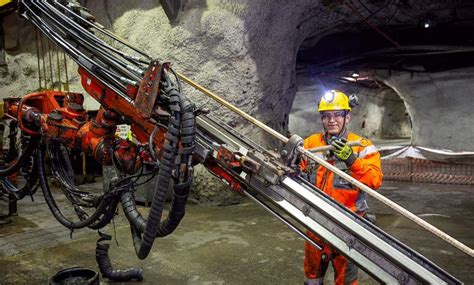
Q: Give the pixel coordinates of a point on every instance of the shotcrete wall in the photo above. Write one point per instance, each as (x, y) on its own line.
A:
(441, 106)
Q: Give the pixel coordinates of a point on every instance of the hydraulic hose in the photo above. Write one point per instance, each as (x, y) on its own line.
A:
(43, 181)
(107, 215)
(177, 210)
(181, 190)
(176, 213)
(27, 168)
(105, 32)
(105, 267)
(181, 125)
(167, 165)
(75, 53)
(62, 169)
(27, 189)
(134, 217)
(184, 181)
(83, 38)
(27, 153)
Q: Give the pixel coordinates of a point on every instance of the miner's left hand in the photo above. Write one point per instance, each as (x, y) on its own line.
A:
(343, 151)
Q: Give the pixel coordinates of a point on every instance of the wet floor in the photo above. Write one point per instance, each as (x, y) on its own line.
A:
(239, 244)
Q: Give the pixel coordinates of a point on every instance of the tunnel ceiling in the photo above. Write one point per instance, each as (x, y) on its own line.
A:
(441, 39)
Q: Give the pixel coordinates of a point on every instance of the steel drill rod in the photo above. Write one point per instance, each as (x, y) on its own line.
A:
(397, 208)
(233, 108)
(330, 147)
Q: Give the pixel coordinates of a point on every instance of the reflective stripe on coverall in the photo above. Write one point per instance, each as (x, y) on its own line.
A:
(366, 169)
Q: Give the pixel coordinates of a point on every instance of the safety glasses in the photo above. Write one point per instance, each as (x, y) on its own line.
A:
(327, 116)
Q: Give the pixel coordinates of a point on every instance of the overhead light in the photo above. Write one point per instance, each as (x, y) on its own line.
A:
(428, 23)
(352, 79)
(355, 74)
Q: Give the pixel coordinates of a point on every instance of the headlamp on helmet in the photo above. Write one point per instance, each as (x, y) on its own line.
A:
(334, 100)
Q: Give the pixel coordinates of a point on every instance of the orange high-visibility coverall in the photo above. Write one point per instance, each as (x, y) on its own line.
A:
(366, 169)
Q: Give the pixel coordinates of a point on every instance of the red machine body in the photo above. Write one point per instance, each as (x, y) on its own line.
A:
(60, 115)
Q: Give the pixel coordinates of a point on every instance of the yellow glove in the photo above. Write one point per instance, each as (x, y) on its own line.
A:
(342, 151)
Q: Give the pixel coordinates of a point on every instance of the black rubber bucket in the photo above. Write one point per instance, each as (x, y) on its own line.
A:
(75, 276)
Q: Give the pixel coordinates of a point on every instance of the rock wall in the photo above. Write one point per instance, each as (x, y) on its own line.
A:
(440, 105)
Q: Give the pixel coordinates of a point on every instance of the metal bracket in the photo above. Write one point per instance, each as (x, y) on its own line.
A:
(149, 89)
(289, 154)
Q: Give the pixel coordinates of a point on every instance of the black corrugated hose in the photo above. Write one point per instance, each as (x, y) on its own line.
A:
(107, 214)
(181, 128)
(183, 182)
(105, 267)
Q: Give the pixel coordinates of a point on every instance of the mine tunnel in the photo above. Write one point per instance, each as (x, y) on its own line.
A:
(117, 114)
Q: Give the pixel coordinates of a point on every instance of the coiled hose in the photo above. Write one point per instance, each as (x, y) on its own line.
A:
(105, 267)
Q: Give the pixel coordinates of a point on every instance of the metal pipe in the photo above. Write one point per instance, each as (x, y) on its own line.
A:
(361, 142)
